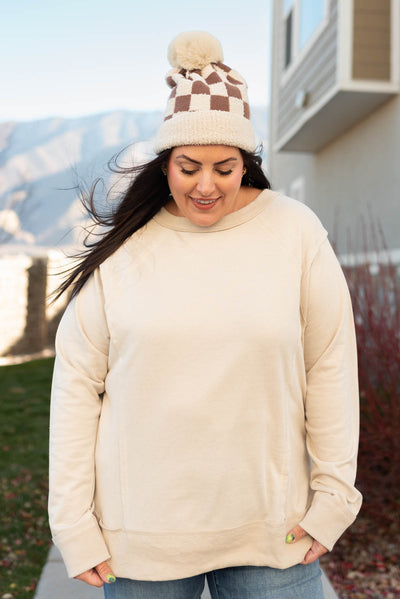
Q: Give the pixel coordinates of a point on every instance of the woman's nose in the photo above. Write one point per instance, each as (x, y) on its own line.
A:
(205, 184)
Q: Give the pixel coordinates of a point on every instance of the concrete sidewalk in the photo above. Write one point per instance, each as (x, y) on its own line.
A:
(54, 583)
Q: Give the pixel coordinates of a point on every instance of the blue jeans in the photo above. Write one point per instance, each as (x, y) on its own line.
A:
(242, 582)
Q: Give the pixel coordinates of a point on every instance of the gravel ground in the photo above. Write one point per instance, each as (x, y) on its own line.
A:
(365, 562)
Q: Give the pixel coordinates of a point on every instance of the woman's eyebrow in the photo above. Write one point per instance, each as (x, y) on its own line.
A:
(227, 160)
(187, 158)
(196, 162)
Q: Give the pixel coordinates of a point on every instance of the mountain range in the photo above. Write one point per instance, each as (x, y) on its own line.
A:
(42, 162)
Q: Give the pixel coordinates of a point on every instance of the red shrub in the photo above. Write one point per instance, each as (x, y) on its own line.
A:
(375, 290)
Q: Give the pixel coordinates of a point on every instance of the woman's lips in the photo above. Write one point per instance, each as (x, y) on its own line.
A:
(204, 203)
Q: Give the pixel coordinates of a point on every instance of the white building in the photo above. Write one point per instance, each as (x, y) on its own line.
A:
(335, 114)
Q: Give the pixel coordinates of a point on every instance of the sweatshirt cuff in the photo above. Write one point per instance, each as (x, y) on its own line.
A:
(82, 548)
(327, 519)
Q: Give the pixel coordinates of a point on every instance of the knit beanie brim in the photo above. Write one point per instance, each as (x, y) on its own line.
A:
(211, 127)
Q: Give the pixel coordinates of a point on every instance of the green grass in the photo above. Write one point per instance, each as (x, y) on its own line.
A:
(24, 423)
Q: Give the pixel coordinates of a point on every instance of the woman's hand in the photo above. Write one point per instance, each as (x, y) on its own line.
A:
(98, 575)
(316, 549)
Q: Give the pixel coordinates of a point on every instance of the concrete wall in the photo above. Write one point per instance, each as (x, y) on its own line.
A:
(27, 319)
(354, 179)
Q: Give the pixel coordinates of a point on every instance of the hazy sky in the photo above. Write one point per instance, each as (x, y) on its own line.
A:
(75, 57)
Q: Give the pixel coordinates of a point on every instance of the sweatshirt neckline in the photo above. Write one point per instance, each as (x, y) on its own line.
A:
(229, 221)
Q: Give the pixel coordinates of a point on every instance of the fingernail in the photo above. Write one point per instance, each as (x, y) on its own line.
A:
(111, 578)
(290, 538)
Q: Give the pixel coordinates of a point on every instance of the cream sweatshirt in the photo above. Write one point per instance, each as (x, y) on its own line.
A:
(205, 398)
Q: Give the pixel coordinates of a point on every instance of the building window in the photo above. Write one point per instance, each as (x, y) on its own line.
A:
(312, 13)
(298, 190)
(288, 38)
(288, 24)
(301, 18)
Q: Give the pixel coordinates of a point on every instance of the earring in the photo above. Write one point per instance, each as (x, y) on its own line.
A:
(244, 171)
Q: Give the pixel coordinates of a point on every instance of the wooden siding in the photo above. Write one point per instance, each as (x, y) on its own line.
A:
(371, 40)
(315, 74)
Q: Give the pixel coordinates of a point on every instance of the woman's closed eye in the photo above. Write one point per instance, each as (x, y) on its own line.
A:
(188, 172)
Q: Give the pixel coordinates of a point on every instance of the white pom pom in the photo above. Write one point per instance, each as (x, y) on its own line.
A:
(194, 50)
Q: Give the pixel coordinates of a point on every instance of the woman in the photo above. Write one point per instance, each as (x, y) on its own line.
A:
(204, 405)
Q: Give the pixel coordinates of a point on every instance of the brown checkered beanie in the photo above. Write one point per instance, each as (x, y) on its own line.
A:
(208, 103)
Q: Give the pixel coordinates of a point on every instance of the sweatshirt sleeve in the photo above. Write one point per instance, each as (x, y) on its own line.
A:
(80, 370)
(332, 399)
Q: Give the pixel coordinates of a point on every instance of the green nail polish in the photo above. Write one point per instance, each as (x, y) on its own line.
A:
(111, 578)
(290, 538)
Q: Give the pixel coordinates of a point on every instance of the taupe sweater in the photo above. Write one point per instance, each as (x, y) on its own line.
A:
(205, 398)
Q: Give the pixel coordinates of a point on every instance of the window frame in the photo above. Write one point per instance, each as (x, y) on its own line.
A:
(297, 53)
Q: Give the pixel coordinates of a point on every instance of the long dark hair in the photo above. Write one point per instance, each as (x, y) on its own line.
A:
(145, 196)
